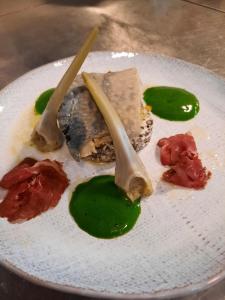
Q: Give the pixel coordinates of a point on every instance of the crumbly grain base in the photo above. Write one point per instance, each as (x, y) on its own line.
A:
(105, 152)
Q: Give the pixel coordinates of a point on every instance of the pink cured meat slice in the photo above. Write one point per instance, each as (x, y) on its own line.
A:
(180, 152)
(33, 187)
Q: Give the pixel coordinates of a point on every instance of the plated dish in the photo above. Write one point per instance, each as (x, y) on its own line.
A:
(170, 233)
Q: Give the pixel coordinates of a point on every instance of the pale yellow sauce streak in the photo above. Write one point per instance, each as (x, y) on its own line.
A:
(22, 130)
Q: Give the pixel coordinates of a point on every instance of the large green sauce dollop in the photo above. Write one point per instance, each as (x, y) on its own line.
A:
(172, 103)
(102, 209)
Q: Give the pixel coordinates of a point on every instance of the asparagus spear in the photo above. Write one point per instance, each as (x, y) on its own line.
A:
(47, 136)
(130, 173)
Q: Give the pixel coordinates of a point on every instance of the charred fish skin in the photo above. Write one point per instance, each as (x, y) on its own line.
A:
(80, 120)
(75, 141)
(70, 124)
(83, 126)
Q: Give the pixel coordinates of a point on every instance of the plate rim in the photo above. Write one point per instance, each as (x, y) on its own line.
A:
(163, 294)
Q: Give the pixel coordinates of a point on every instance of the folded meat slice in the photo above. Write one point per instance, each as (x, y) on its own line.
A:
(33, 187)
(18, 174)
(174, 146)
(83, 125)
(180, 152)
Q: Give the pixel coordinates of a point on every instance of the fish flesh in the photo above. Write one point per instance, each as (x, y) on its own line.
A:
(83, 126)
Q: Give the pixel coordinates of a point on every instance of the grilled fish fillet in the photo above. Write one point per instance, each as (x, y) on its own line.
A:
(83, 126)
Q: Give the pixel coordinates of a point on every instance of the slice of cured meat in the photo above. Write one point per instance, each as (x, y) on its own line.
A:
(180, 152)
(18, 174)
(33, 187)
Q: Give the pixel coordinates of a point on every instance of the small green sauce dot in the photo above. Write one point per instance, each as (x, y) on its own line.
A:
(172, 103)
(42, 101)
(102, 209)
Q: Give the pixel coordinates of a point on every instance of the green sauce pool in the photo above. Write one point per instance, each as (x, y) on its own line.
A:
(174, 104)
(102, 209)
(42, 101)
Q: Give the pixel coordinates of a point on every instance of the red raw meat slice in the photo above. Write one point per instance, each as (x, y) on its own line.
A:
(180, 152)
(18, 174)
(38, 186)
(172, 147)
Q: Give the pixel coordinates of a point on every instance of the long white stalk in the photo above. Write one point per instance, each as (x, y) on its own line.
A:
(47, 136)
(130, 173)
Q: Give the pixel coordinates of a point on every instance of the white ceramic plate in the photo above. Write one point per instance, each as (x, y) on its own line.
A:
(178, 243)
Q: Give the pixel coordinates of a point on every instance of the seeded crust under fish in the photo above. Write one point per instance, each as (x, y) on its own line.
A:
(105, 152)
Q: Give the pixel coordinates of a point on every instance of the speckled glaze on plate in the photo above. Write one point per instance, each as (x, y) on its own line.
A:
(178, 244)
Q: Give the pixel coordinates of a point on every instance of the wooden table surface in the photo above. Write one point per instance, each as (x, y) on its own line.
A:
(35, 32)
